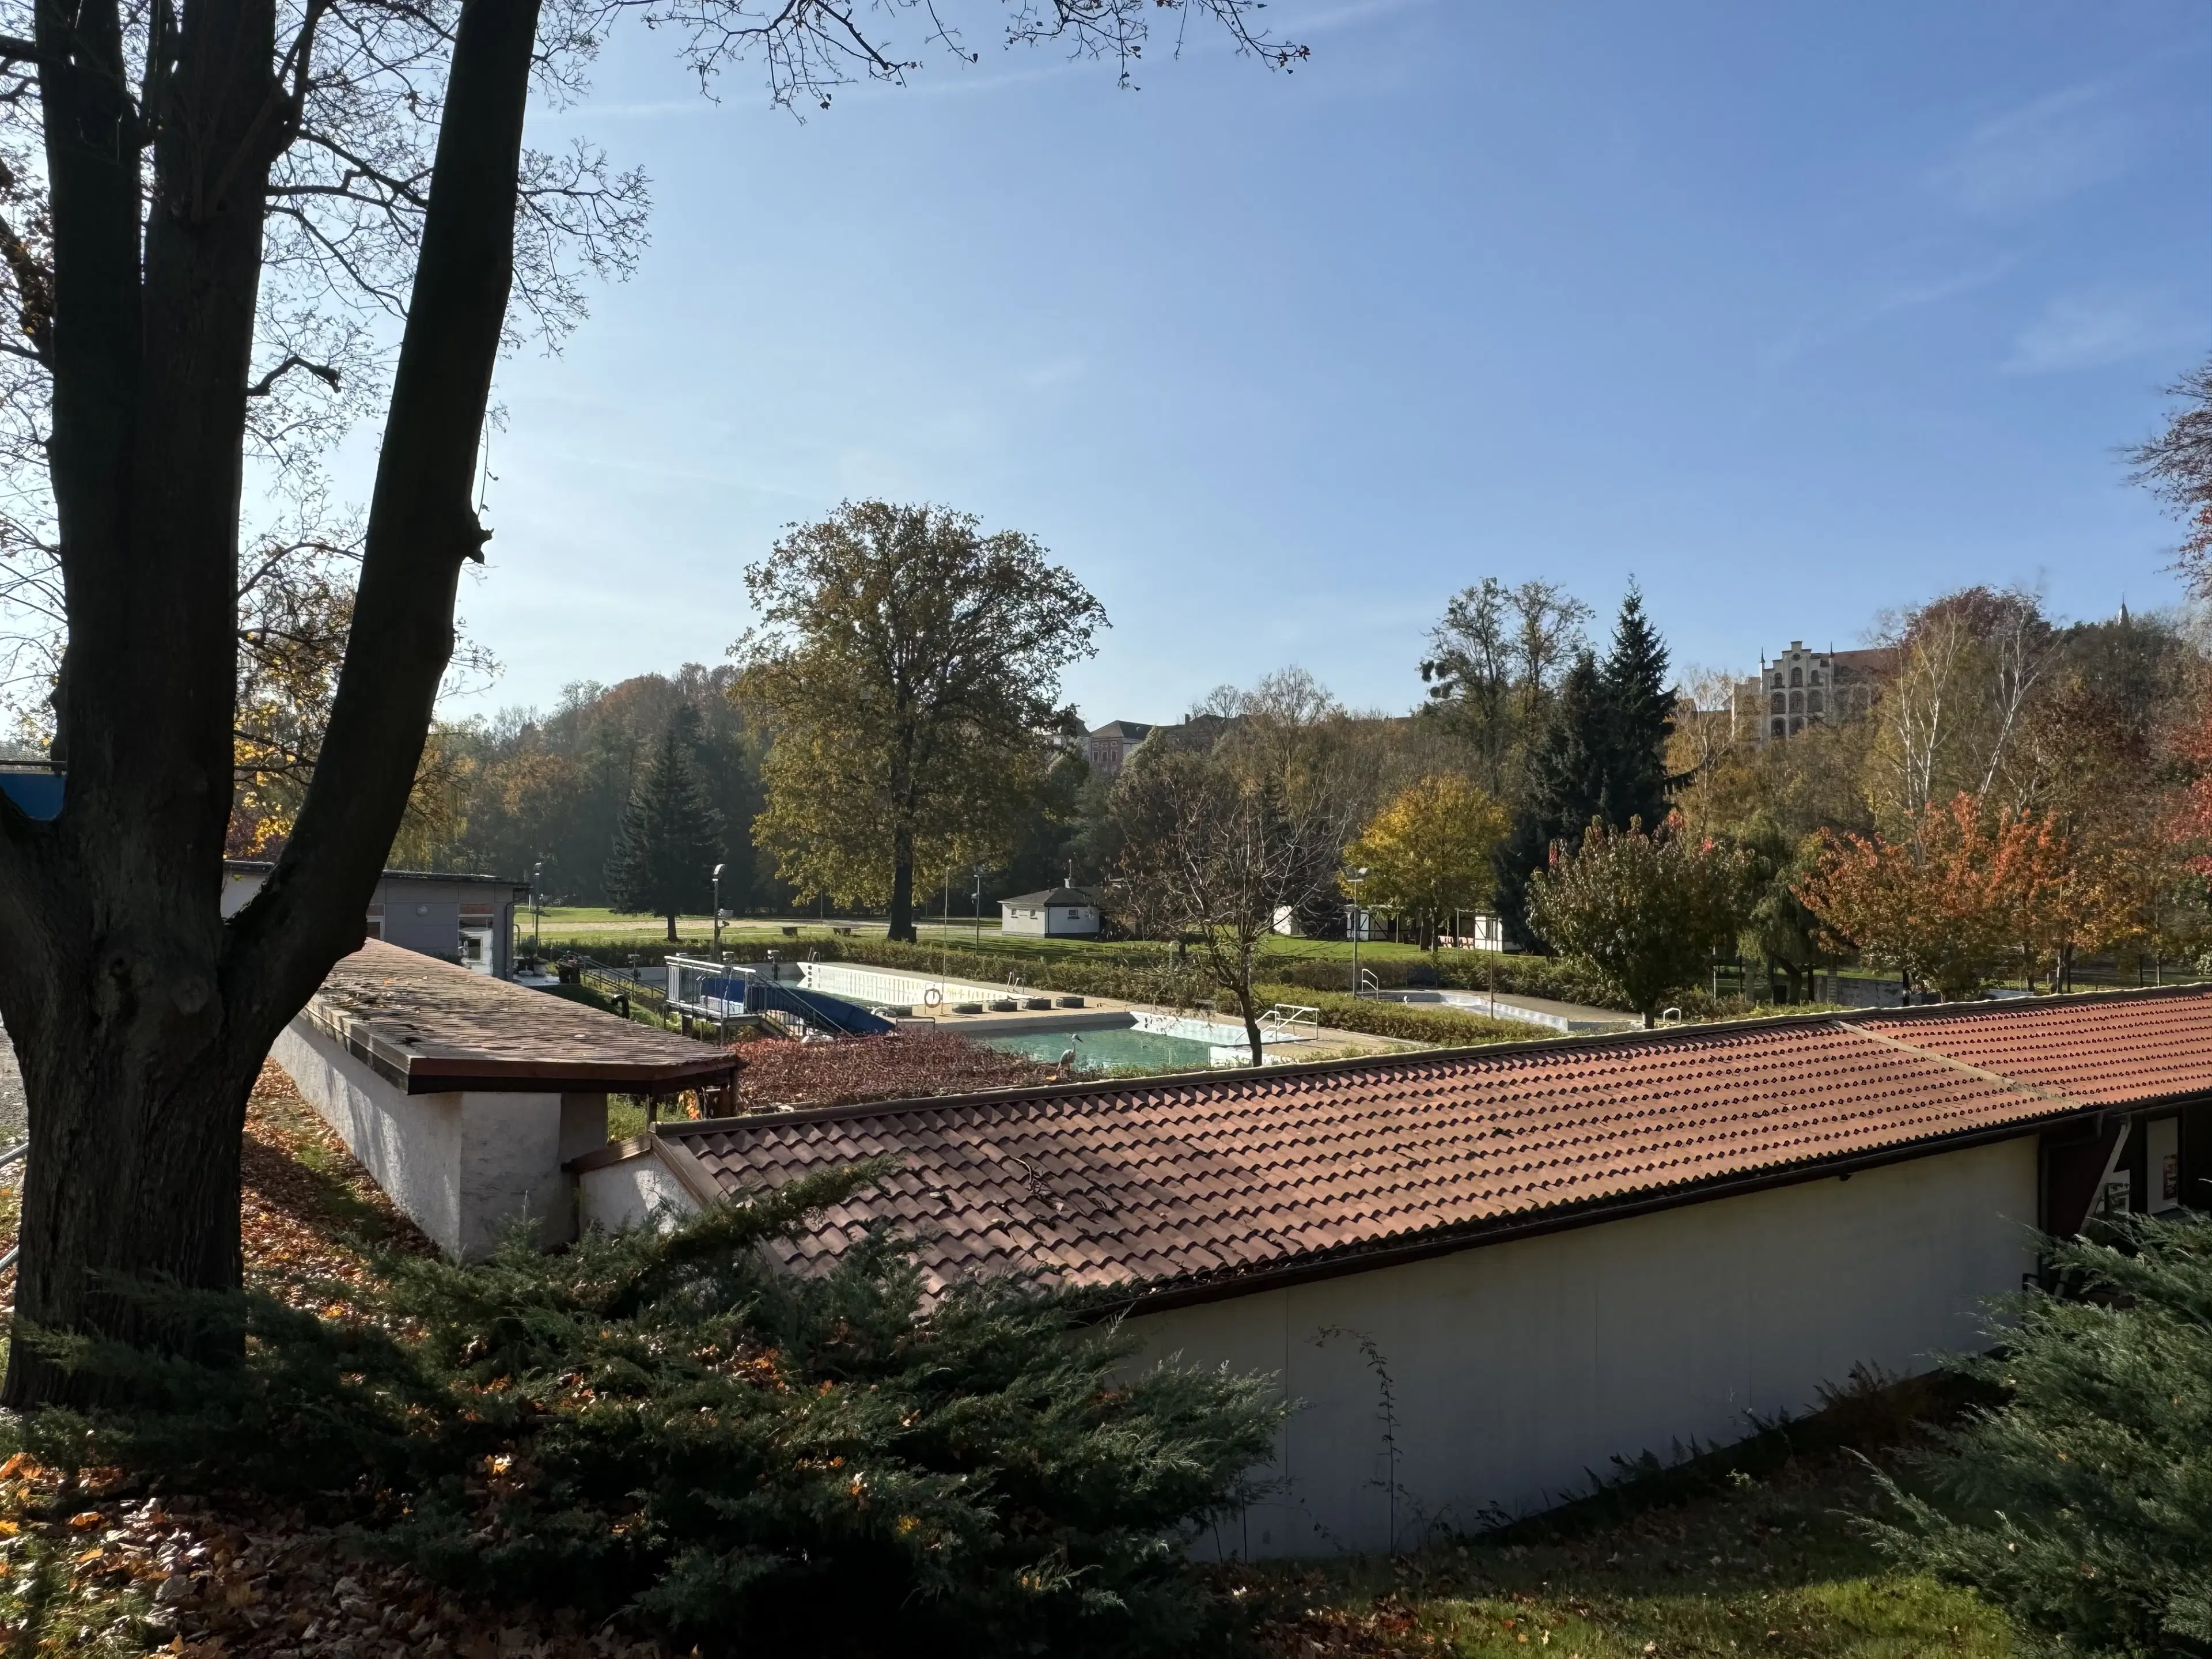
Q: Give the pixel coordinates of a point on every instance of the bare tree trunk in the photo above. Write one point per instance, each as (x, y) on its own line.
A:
(140, 1016)
(902, 917)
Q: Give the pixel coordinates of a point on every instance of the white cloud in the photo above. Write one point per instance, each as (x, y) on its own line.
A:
(2057, 146)
(2108, 326)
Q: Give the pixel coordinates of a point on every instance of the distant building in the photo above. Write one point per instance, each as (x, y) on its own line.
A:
(1109, 748)
(465, 920)
(1056, 913)
(1802, 687)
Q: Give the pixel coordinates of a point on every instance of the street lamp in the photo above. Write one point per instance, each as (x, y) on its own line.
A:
(1358, 921)
(536, 908)
(717, 879)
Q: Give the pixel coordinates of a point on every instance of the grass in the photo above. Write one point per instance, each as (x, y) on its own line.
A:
(1752, 1551)
(590, 929)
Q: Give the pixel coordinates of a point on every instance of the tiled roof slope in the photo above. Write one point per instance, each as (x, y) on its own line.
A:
(431, 1027)
(1179, 1185)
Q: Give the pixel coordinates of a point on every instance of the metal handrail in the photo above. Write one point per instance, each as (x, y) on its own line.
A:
(1289, 1022)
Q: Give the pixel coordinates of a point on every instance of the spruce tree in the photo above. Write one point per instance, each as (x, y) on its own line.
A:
(1568, 787)
(671, 837)
(1639, 720)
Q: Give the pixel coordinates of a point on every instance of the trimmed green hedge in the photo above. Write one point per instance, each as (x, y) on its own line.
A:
(1445, 1027)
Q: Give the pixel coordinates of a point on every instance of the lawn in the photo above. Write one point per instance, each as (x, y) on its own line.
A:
(1752, 1560)
(595, 931)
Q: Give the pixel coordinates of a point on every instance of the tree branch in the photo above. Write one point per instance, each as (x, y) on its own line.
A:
(322, 372)
(422, 527)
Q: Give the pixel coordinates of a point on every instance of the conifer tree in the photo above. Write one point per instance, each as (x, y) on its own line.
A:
(2080, 1501)
(671, 832)
(1567, 789)
(1602, 759)
(1639, 719)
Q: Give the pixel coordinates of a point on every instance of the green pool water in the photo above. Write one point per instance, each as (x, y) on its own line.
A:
(1099, 1051)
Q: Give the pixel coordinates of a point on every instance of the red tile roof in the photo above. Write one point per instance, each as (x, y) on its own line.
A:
(1196, 1184)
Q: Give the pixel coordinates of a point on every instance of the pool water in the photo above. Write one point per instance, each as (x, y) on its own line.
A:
(1098, 1051)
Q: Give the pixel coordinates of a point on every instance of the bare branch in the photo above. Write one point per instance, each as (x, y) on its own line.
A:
(323, 372)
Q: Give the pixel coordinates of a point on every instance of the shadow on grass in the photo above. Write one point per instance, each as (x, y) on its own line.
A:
(1746, 1549)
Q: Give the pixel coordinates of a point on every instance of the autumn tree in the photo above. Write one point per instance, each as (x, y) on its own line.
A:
(671, 837)
(1428, 853)
(1648, 910)
(1970, 888)
(1495, 661)
(1968, 671)
(910, 668)
(208, 209)
(1214, 854)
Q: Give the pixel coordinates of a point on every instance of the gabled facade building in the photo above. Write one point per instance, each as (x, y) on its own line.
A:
(1801, 688)
(1110, 747)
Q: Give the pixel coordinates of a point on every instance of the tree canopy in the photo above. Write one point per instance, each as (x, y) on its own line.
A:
(1649, 910)
(909, 667)
(1428, 853)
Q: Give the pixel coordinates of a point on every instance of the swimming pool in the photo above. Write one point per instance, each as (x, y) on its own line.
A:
(1099, 1051)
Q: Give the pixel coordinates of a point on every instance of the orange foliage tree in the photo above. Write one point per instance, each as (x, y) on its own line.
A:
(1967, 892)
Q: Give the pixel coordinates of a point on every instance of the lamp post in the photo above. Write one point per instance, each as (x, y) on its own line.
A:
(536, 908)
(1359, 922)
(717, 879)
(978, 907)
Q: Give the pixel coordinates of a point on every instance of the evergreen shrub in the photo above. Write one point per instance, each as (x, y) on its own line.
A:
(665, 1427)
(2080, 1501)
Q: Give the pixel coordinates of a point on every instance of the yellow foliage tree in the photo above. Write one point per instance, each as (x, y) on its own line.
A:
(1428, 853)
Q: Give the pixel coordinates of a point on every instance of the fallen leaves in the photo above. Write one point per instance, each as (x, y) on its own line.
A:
(92, 1570)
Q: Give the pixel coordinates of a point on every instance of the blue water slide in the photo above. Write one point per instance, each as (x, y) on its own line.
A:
(829, 1012)
(38, 795)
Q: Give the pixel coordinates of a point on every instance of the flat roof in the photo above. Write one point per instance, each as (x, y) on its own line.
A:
(1186, 1187)
(262, 866)
(431, 1027)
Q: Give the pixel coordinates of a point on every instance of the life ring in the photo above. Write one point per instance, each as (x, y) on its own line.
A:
(933, 997)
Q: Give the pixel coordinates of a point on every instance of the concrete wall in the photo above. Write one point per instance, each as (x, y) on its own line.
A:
(617, 1196)
(902, 989)
(1517, 1368)
(461, 1166)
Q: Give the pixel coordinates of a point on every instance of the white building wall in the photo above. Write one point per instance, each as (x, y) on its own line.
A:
(899, 989)
(1517, 1369)
(618, 1196)
(462, 1166)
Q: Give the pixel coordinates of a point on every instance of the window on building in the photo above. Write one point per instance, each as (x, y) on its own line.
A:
(1812, 702)
(1796, 676)
(1796, 702)
(1796, 725)
(1780, 702)
(1777, 728)
(1816, 676)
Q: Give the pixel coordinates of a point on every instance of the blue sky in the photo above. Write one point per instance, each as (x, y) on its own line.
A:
(1794, 312)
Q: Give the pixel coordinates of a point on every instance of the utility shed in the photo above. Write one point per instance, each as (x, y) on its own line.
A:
(1055, 912)
(466, 918)
(1556, 1252)
(465, 1097)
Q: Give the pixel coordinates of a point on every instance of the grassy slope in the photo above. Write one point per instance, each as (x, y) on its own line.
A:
(1755, 1554)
